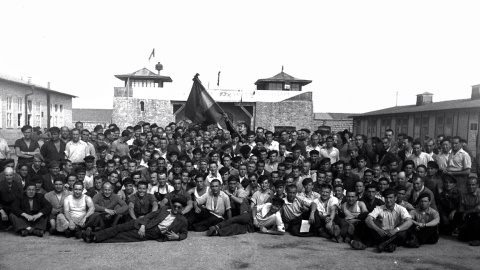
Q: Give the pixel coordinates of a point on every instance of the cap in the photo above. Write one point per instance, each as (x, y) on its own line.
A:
(53, 164)
(38, 156)
(89, 159)
(180, 200)
(352, 148)
(473, 175)
(125, 133)
(80, 169)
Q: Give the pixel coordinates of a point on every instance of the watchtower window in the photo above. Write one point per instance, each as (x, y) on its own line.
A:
(142, 106)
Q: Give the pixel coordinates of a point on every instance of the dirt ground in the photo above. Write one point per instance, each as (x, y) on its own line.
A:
(249, 251)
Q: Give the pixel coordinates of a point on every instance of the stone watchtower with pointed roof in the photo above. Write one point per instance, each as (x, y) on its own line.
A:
(136, 101)
(281, 81)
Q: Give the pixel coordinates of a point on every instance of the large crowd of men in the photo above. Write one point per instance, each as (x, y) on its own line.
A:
(157, 183)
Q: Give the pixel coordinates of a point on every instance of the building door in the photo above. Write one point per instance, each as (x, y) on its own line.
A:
(473, 132)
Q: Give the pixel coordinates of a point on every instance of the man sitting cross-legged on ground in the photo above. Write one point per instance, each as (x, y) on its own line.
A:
(109, 205)
(327, 208)
(30, 212)
(425, 223)
(56, 198)
(161, 225)
(387, 224)
(355, 213)
(216, 203)
(268, 218)
(79, 210)
(296, 209)
(239, 224)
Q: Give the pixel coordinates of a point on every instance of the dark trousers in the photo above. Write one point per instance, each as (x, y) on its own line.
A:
(94, 221)
(371, 238)
(399, 241)
(204, 220)
(470, 227)
(240, 224)
(20, 223)
(427, 235)
(126, 232)
(295, 224)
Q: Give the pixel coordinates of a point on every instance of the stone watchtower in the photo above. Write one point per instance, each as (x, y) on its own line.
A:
(139, 99)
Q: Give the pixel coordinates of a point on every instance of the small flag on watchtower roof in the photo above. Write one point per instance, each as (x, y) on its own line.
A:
(152, 55)
(201, 107)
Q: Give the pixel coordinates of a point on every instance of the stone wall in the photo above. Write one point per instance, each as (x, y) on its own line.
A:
(128, 111)
(298, 114)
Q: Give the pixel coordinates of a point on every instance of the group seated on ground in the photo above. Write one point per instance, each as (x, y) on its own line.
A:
(157, 183)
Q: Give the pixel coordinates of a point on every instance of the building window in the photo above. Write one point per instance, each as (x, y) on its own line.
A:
(20, 112)
(9, 112)
(142, 106)
(294, 87)
(38, 119)
(372, 127)
(275, 86)
(29, 112)
(449, 125)
(473, 126)
(424, 129)
(385, 124)
(402, 125)
(61, 123)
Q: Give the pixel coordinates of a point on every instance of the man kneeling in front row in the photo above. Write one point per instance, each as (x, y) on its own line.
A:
(161, 225)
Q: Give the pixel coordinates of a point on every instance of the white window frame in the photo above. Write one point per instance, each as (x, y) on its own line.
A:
(9, 117)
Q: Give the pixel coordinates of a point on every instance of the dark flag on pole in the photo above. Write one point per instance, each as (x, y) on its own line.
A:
(201, 107)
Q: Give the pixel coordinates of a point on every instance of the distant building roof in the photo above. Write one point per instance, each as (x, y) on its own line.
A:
(283, 77)
(92, 115)
(25, 83)
(436, 106)
(145, 74)
(332, 116)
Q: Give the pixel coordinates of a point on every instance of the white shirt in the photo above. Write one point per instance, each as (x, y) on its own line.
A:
(76, 151)
(333, 154)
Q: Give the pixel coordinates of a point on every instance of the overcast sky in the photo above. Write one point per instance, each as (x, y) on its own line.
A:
(357, 53)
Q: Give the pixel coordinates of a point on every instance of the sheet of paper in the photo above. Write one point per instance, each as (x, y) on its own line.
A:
(305, 226)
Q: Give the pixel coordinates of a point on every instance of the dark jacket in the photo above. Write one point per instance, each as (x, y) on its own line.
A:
(8, 196)
(40, 204)
(50, 153)
(152, 219)
(47, 182)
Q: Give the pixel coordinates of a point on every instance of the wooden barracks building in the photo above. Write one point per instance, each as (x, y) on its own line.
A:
(426, 119)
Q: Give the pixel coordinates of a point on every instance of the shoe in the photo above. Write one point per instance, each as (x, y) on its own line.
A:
(347, 239)
(52, 231)
(212, 231)
(38, 232)
(475, 243)
(391, 248)
(336, 234)
(413, 243)
(24, 233)
(456, 231)
(357, 245)
(351, 229)
(323, 233)
(79, 234)
(88, 235)
(68, 233)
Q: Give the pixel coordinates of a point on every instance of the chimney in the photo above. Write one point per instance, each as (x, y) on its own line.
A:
(48, 85)
(476, 92)
(425, 98)
(29, 79)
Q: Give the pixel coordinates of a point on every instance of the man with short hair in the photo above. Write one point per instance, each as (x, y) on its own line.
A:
(448, 203)
(79, 210)
(216, 205)
(418, 189)
(9, 191)
(56, 198)
(387, 224)
(468, 213)
(425, 223)
(293, 213)
(109, 205)
(327, 209)
(76, 150)
(370, 197)
(161, 225)
(329, 151)
(354, 212)
(141, 203)
(54, 149)
(30, 212)
(442, 158)
(419, 157)
(459, 163)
